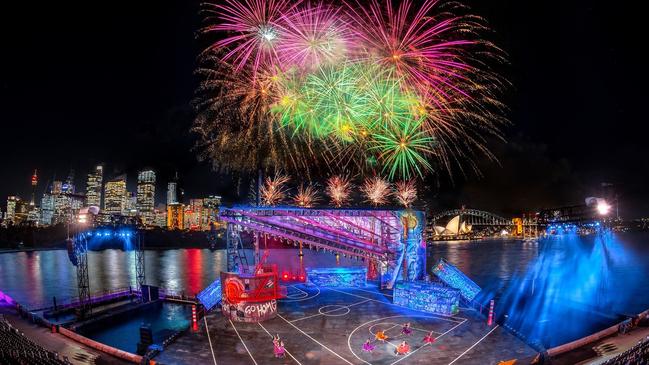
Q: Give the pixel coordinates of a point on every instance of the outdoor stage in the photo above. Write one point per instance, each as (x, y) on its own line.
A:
(329, 325)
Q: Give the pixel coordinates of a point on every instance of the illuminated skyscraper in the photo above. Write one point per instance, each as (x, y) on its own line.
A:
(211, 206)
(146, 196)
(160, 216)
(32, 202)
(193, 215)
(130, 204)
(12, 202)
(93, 187)
(47, 208)
(115, 195)
(174, 193)
(175, 216)
(59, 203)
(171, 192)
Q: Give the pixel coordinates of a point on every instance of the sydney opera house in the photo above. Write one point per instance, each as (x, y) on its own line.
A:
(453, 228)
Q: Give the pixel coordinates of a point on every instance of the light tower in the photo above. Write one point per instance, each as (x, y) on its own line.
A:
(32, 202)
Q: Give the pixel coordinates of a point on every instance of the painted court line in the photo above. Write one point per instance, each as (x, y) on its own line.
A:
(271, 336)
(244, 344)
(474, 345)
(314, 340)
(427, 344)
(378, 324)
(331, 311)
(289, 299)
(373, 292)
(209, 339)
(440, 316)
(397, 324)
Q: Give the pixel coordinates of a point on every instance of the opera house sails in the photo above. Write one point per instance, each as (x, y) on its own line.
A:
(453, 228)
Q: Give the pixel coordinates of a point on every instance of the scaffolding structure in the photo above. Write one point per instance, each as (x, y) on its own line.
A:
(78, 251)
(80, 244)
(237, 259)
(388, 240)
(139, 261)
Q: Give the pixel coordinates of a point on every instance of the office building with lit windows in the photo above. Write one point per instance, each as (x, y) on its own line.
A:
(175, 216)
(146, 196)
(93, 186)
(115, 195)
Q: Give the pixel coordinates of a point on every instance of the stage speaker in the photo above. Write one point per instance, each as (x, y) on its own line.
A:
(146, 339)
(150, 293)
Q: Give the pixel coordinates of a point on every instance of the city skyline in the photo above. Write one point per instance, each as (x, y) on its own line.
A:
(111, 202)
(566, 116)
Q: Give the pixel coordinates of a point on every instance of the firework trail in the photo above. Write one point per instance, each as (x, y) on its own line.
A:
(405, 192)
(273, 191)
(306, 197)
(339, 189)
(369, 87)
(376, 190)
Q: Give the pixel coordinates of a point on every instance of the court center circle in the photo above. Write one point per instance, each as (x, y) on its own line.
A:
(334, 310)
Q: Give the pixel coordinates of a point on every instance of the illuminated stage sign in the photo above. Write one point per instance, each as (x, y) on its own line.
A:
(427, 297)
(455, 278)
(338, 276)
(250, 298)
(211, 295)
(250, 312)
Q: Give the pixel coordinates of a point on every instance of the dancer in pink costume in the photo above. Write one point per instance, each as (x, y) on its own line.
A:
(367, 346)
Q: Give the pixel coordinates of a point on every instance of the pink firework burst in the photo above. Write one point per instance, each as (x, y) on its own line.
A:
(252, 30)
(418, 43)
(313, 35)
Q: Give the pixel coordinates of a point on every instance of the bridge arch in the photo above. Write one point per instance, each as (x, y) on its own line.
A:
(470, 216)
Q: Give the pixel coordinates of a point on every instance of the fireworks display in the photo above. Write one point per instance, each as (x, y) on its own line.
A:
(405, 192)
(339, 188)
(396, 89)
(376, 190)
(273, 191)
(306, 197)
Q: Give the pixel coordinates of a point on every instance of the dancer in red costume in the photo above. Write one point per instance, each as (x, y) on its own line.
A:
(429, 338)
(402, 349)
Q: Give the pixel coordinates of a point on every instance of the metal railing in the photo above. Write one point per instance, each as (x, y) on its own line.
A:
(73, 302)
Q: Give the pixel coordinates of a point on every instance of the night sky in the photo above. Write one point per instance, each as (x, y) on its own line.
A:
(83, 83)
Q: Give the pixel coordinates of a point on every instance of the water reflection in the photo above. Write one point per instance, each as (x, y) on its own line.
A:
(577, 285)
(535, 284)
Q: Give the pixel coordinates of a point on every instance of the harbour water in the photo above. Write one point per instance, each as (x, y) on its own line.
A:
(536, 284)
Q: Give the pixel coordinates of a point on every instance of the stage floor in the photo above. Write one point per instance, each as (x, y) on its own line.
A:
(326, 326)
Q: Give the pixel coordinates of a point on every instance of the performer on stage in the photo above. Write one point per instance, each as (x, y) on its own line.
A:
(429, 338)
(279, 349)
(380, 336)
(367, 346)
(406, 329)
(402, 349)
